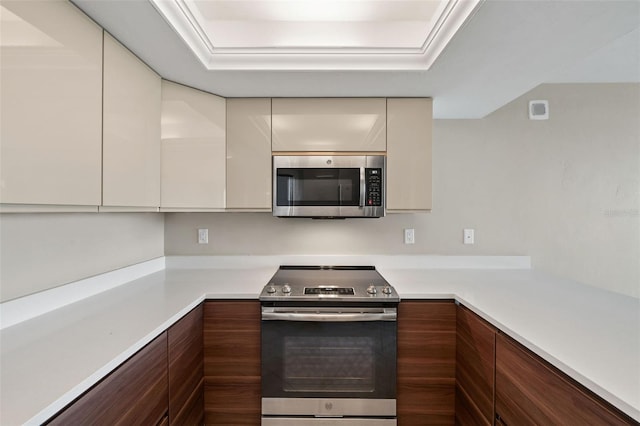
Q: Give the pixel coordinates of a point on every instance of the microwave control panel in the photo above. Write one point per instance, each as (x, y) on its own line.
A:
(374, 185)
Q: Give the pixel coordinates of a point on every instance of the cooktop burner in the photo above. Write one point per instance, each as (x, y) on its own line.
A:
(319, 283)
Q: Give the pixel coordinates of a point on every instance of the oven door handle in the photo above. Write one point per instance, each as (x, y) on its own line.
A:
(329, 317)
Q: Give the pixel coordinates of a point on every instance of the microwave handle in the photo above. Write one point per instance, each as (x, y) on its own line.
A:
(363, 187)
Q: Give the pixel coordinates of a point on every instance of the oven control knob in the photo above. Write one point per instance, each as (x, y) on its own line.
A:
(271, 289)
(286, 289)
(372, 289)
(386, 289)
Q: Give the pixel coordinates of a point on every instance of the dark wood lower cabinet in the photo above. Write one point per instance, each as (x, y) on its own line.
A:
(452, 367)
(232, 384)
(529, 391)
(136, 393)
(426, 363)
(475, 369)
(186, 369)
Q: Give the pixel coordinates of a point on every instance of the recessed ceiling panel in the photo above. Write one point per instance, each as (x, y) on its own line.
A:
(316, 34)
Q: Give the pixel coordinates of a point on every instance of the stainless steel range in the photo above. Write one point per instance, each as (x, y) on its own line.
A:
(328, 347)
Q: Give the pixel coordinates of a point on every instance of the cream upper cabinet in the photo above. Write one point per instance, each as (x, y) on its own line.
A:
(131, 130)
(409, 128)
(329, 124)
(51, 104)
(193, 148)
(249, 153)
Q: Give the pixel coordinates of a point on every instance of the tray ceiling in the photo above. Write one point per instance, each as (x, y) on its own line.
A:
(316, 34)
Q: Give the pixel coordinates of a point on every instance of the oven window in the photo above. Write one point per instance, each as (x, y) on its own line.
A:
(328, 359)
(318, 187)
(329, 364)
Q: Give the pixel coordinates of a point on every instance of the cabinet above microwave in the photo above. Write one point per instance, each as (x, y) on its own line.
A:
(329, 124)
(403, 130)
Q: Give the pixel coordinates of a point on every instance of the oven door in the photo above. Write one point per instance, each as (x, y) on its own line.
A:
(335, 362)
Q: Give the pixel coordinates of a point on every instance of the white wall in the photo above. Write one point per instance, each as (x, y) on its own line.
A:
(41, 251)
(565, 191)
(581, 184)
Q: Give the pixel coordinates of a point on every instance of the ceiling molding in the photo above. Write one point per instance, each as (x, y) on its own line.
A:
(449, 17)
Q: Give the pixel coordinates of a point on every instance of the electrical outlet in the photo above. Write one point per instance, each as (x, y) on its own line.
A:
(409, 236)
(468, 236)
(203, 236)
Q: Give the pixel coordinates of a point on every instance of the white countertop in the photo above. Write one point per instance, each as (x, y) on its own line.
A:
(46, 362)
(590, 334)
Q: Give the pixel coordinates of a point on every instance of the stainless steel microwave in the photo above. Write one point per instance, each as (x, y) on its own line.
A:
(329, 186)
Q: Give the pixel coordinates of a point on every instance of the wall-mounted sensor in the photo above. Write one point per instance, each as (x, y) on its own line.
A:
(538, 110)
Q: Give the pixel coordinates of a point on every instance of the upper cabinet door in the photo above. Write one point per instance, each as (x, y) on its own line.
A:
(193, 148)
(329, 124)
(131, 134)
(409, 128)
(249, 154)
(51, 104)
